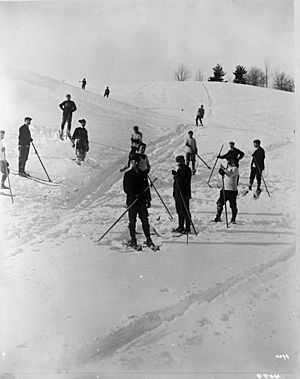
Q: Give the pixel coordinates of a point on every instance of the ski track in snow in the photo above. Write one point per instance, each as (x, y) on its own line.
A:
(90, 198)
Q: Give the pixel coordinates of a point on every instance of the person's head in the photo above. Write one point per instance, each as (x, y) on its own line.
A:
(180, 160)
(68, 97)
(136, 128)
(190, 133)
(231, 145)
(27, 120)
(2, 133)
(201, 105)
(82, 122)
(143, 148)
(256, 143)
(134, 160)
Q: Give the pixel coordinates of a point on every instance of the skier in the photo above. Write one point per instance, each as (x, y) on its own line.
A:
(134, 185)
(24, 145)
(200, 115)
(257, 165)
(144, 167)
(232, 154)
(191, 151)
(182, 194)
(3, 162)
(136, 141)
(230, 190)
(106, 92)
(81, 141)
(68, 107)
(83, 83)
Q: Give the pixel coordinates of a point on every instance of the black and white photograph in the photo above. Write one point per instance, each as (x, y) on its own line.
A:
(148, 201)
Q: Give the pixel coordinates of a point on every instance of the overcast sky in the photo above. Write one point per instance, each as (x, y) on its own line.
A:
(140, 40)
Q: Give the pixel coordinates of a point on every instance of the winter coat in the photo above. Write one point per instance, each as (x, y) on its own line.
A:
(68, 107)
(231, 179)
(258, 159)
(81, 135)
(191, 145)
(133, 185)
(24, 135)
(183, 180)
(234, 154)
(136, 139)
(201, 112)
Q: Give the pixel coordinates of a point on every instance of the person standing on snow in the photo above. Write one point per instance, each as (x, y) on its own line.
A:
(80, 141)
(83, 83)
(232, 154)
(257, 165)
(106, 92)
(3, 162)
(200, 115)
(230, 190)
(136, 141)
(68, 107)
(24, 145)
(191, 151)
(144, 167)
(182, 194)
(134, 187)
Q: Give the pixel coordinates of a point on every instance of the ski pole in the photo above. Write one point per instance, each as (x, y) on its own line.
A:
(214, 166)
(184, 204)
(41, 162)
(8, 179)
(126, 210)
(262, 176)
(203, 162)
(171, 217)
(224, 197)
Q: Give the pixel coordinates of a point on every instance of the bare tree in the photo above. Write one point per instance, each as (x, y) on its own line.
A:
(255, 77)
(267, 67)
(199, 75)
(182, 73)
(283, 82)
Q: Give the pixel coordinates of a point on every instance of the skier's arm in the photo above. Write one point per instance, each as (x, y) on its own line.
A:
(240, 155)
(62, 105)
(230, 173)
(74, 108)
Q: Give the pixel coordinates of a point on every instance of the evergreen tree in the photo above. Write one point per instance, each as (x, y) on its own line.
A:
(239, 73)
(218, 74)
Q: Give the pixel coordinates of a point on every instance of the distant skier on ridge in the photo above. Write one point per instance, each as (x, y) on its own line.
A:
(24, 145)
(106, 92)
(3, 162)
(200, 115)
(257, 165)
(68, 107)
(83, 83)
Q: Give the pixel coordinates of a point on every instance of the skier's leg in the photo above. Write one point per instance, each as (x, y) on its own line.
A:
(232, 202)
(197, 118)
(258, 179)
(26, 153)
(132, 222)
(3, 172)
(180, 212)
(187, 216)
(193, 159)
(143, 216)
(188, 159)
(69, 124)
(220, 205)
(252, 177)
(200, 119)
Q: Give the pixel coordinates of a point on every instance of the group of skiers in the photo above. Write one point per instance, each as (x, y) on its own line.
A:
(84, 83)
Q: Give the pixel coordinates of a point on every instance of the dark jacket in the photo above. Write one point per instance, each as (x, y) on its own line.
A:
(258, 159)
(81, 135)
(24, 135)
(183, 179)
(134, 184)
(68, 107)
(234, 154)
(201, 112)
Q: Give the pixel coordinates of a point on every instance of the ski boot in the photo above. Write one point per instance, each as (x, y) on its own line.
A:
(150, 244)
(178, 230)
(217, 219)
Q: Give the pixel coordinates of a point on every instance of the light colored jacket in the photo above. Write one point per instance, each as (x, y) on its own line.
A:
(1, 152)
(144, 164)
(191, 145)
(231, 178)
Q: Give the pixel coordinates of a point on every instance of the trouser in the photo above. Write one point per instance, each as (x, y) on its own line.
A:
(231, 197)
(147, 194)
(184, 215)
(67, 118)
(4, 170)
(23, 156)
(106, 95)
(198, 118)
(191, 157)
(139, 209)
(81, 150)
(255, 173)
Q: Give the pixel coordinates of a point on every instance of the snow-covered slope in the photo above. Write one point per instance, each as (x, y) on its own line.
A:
(85, 307)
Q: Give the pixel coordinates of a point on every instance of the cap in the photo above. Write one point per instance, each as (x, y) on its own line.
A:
(190, 132)
(28, 118)
(68, 95)
(231, 143)
(180, 158)
(256, 141)
(135, 127)
(82, 121)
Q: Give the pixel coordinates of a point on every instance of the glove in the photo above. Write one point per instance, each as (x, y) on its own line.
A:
(219, 156)
(196, 151)
(31, 140)
(174, 173)
(221, 172)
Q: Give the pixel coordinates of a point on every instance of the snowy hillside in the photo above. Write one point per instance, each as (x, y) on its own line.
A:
(86, 307)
